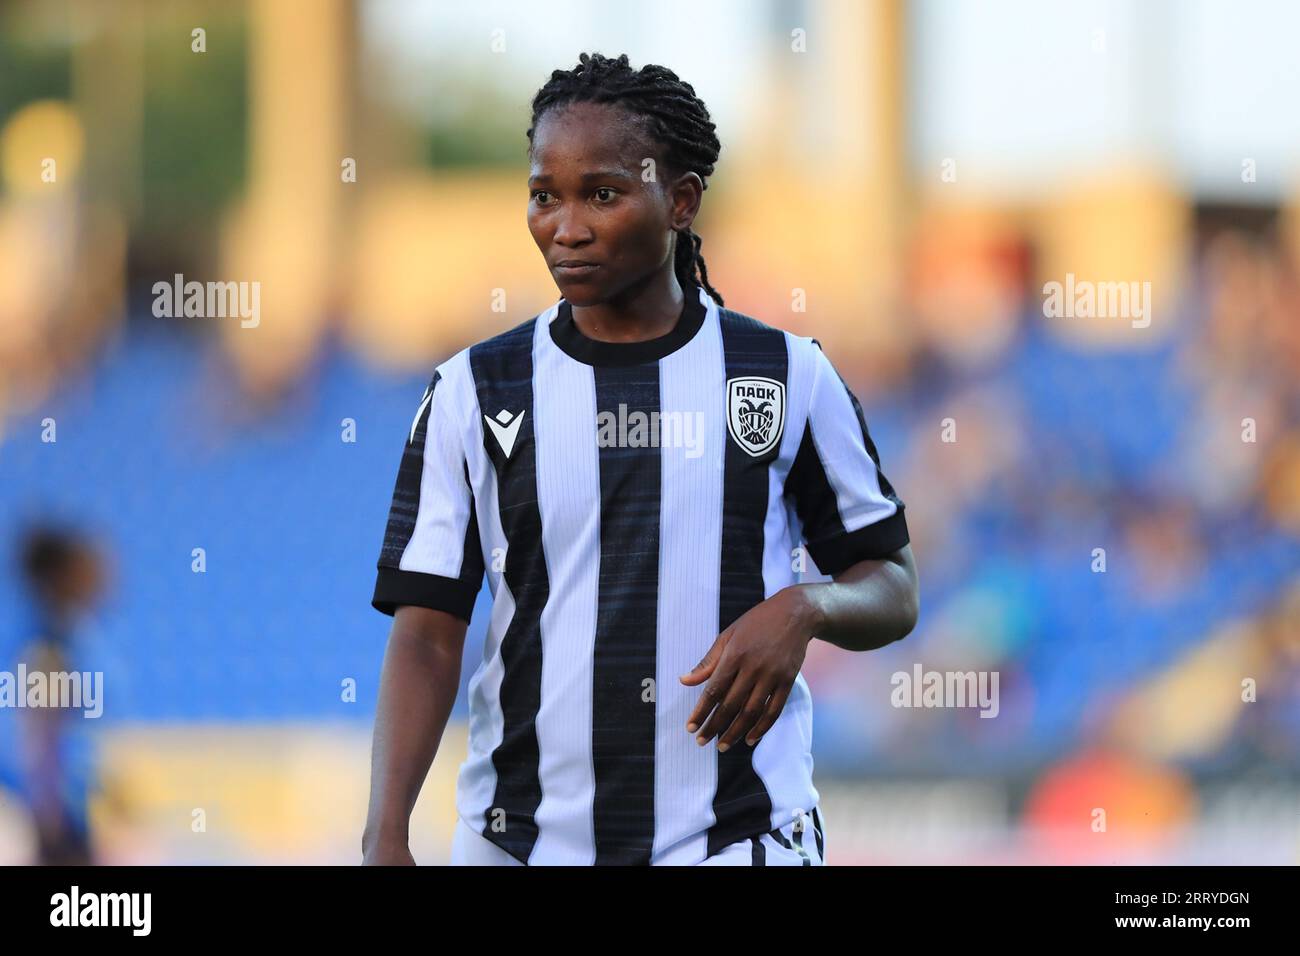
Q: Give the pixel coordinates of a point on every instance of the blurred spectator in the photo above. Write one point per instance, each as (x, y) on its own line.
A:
(65, 576)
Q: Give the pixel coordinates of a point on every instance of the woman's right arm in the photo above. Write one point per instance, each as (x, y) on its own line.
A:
(421, 674)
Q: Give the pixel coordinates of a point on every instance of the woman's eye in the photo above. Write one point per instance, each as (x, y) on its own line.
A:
(609, 194)
(541, 197)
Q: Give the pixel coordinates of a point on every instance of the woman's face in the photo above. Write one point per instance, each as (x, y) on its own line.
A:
(590, 204)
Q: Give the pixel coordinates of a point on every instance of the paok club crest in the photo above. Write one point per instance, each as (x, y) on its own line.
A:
(755, 413)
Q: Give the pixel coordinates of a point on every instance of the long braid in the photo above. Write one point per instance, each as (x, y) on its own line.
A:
(676, 118)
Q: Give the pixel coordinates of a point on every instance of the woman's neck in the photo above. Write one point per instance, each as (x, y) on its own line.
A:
(644, 311)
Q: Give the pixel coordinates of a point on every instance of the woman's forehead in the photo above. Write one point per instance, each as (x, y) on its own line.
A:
(591, 133)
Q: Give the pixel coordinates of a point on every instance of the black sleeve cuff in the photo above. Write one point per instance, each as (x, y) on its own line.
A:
(872, 543)
(394, 587)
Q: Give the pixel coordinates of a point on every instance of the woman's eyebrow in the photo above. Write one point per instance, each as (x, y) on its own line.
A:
(609, 173)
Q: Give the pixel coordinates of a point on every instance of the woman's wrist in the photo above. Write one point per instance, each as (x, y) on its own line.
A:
(808, 607)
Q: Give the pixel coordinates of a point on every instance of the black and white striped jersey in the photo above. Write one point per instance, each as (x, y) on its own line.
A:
(628, 502)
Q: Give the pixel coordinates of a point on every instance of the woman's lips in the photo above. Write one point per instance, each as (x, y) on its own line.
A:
(576, 271)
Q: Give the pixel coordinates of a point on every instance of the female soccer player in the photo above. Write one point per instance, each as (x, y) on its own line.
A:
(638, 471)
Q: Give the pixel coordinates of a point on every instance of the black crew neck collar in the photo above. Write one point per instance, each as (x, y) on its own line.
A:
(571, 341)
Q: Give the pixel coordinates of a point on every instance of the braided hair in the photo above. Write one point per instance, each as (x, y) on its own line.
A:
(676, 118)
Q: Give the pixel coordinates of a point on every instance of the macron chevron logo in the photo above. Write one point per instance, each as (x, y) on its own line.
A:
(506, 427)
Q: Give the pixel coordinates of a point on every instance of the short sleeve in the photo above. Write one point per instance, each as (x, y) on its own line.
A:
(847, 507)
(431, 556)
